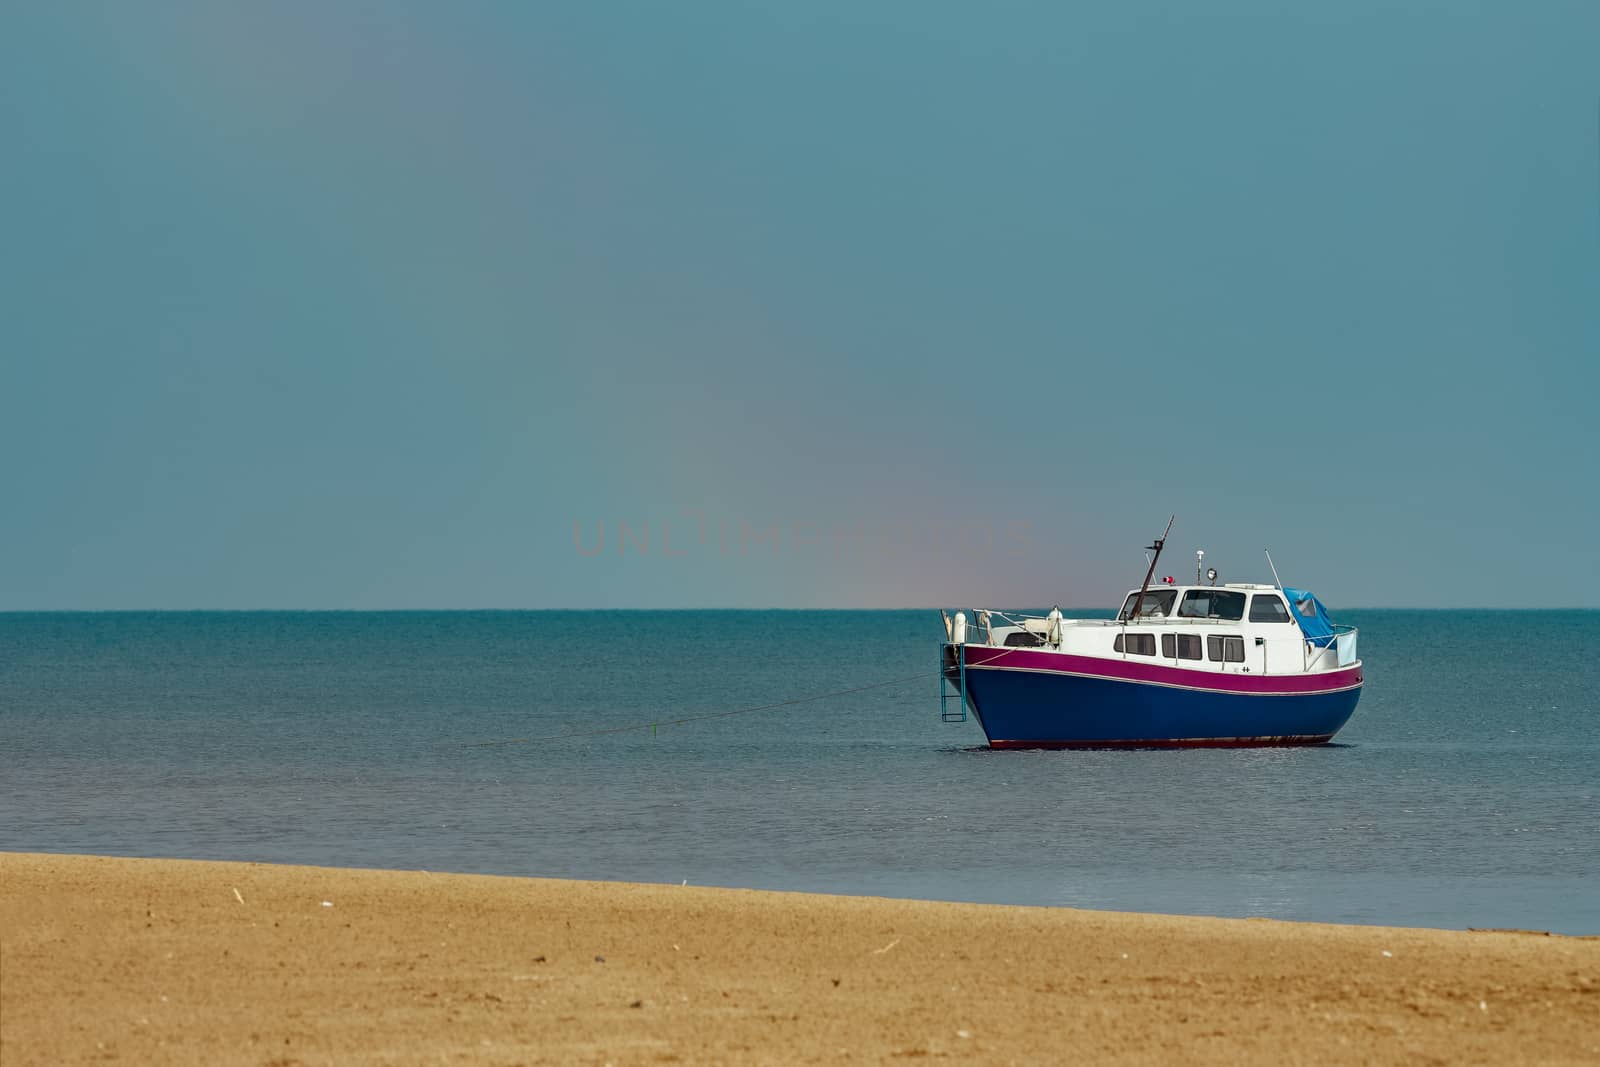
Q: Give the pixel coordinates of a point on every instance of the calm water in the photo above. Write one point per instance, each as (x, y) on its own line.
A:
(1463, 793)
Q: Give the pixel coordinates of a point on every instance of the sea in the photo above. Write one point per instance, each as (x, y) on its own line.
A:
(691, 746)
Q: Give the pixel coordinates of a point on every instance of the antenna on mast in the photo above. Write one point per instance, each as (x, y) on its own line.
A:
(1156, 548)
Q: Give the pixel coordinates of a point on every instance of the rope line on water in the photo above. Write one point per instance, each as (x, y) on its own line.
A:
(651, 726)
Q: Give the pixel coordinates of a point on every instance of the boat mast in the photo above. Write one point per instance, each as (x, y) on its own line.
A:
(1156, 548)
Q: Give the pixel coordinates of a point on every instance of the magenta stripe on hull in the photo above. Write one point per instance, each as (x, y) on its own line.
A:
(980, 657)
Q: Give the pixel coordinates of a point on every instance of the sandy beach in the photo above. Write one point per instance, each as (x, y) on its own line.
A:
(162, 961)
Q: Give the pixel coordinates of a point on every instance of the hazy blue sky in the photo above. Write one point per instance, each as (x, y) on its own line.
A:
(392, 305)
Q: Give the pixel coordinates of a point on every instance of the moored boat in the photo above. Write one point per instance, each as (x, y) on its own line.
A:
(1179, 665)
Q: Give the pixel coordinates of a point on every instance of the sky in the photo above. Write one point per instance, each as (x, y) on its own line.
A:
(767, 304)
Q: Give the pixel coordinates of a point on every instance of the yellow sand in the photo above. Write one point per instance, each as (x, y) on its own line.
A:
(161, 961)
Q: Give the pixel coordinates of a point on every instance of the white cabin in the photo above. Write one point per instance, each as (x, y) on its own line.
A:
(1242, 628)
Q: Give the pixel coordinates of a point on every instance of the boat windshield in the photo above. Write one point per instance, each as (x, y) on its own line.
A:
(1157, 604)
(1212, 604)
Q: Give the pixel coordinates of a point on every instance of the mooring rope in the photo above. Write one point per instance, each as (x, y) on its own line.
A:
(653, 725)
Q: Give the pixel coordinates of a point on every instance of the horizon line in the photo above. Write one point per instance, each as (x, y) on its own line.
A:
(525, 610)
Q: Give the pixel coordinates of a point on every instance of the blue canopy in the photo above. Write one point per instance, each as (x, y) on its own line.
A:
(1311, 615)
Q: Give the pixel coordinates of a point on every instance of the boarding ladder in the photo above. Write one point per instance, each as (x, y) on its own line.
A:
(952, 687)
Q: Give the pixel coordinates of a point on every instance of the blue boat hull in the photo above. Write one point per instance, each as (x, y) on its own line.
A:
(1028, 709)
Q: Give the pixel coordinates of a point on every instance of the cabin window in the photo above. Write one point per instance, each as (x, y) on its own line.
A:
(1225, 649)
(1135, 644)
(1156, 602)
(1024, 639)
(1268, 607)
(1180, 646)
(1223, 604)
